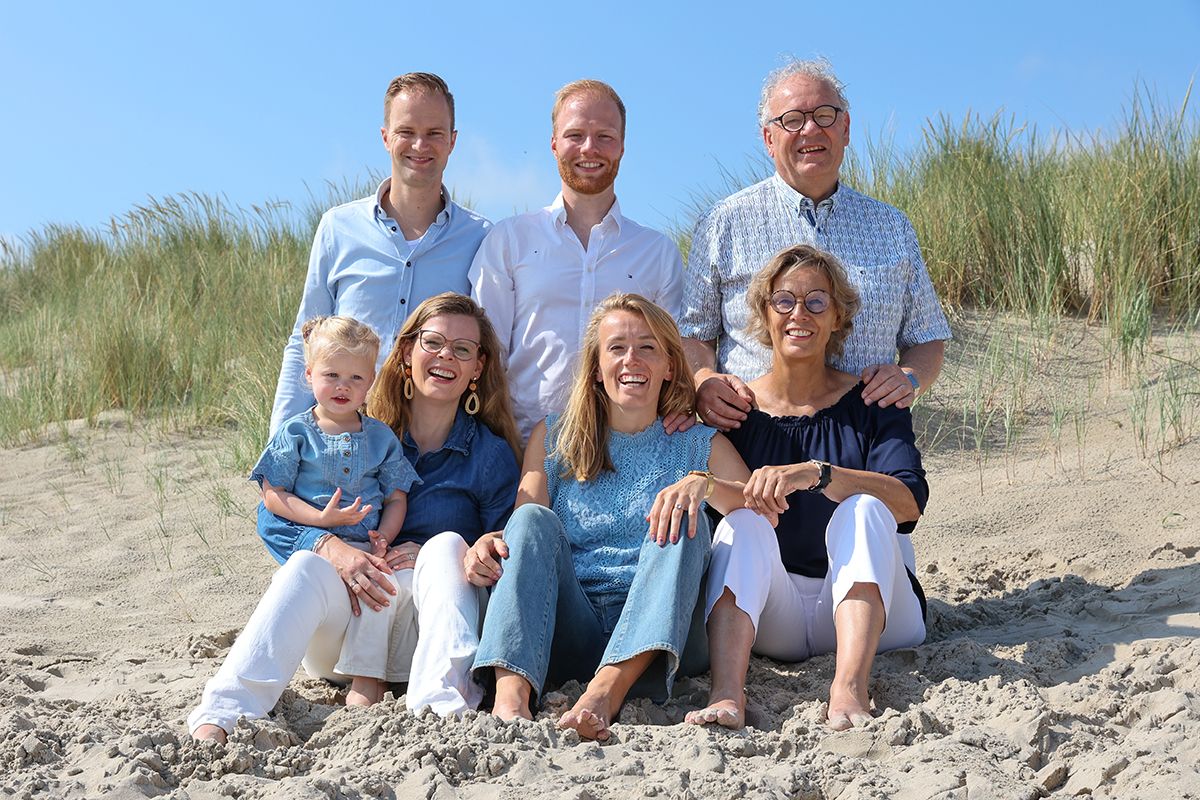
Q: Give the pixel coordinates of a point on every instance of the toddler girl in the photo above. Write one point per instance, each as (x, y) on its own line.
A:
(327, 453)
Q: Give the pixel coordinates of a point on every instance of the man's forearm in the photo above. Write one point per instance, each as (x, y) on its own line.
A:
(701, 356)
(925, 361)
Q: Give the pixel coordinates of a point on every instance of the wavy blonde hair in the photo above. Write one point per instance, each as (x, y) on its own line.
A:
(844, 295)
(581, 434)
(338, 334)
(386, 402)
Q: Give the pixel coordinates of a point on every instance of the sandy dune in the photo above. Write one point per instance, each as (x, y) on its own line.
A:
(1063, 656)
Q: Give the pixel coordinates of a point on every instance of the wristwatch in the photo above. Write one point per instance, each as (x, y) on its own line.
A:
(824, 478)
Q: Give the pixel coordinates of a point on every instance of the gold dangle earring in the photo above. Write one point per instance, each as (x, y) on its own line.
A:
(408, 382)
(472, 404)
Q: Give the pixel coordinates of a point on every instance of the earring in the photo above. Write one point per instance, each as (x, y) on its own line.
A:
(472, 404)
(408, 382)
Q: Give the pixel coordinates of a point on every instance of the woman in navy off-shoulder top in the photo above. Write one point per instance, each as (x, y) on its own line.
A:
(845, 478)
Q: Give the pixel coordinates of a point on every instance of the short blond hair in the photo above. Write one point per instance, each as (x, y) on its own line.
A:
(417, 82)
(327, 335)
(843, 293)
(581, 87)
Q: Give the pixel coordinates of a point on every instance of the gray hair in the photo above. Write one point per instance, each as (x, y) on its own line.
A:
(818, 69)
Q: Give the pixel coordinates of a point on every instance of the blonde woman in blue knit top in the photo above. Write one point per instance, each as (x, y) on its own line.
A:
(598, 571)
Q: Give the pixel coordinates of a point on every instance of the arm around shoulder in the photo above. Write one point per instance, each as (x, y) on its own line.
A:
(535, 486)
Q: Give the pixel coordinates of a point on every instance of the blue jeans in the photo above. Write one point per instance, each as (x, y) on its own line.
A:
(542, 625)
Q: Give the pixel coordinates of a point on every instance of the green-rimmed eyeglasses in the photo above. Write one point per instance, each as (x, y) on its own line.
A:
(783, 301)
(792, 121)
(434, 342)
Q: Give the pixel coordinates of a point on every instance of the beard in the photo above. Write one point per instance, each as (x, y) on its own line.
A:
(588, 184)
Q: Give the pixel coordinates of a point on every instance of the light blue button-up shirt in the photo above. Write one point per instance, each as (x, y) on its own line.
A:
(362, 267)
(874, 241)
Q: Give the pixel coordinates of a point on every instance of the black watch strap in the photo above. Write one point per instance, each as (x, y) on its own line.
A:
(824, 478)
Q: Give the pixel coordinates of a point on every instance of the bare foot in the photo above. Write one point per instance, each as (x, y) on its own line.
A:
(727, 712)
(849, 707)
(364, 691)
(589, 716)
(508, 711)
(211, 733)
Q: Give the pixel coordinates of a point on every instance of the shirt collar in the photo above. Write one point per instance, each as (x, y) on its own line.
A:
(442, 217)
(558, 214)
(462, 434)
(801, 202)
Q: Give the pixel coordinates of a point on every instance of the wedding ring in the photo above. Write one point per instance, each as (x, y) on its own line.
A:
(679, 506)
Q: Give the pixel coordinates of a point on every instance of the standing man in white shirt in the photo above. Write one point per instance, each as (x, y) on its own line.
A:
(539, 275)
(376, 258)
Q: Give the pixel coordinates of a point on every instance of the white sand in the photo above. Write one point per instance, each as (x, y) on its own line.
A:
(1062, 657)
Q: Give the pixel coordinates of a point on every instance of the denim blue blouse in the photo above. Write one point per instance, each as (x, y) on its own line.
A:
(469, 484)
(311, 464)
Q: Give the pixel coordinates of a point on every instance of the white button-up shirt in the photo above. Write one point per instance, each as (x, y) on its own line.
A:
(539, 286)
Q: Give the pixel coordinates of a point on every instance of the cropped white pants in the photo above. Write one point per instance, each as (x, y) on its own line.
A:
(793, 614)
(305, 616)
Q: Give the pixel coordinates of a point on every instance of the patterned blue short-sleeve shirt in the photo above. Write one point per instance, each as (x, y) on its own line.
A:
(873, 240)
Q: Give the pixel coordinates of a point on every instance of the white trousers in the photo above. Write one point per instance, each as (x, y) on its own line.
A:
(793, 614)
(305, 614)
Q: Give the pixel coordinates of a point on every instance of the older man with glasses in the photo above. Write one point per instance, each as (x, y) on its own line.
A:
(805, 120)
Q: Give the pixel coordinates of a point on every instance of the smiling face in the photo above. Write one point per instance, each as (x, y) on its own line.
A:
(801, 333)
(633, 364)
(807, 159)
(588, 143)
(340, 381)
(419, 137)
(441, 376)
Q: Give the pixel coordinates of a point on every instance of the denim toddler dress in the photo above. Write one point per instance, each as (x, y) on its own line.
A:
(311, 464)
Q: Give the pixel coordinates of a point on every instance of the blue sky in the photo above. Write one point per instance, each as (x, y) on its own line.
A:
(104, 105)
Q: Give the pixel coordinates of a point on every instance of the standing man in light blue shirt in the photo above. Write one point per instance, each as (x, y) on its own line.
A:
(376, 258)
(805, 120)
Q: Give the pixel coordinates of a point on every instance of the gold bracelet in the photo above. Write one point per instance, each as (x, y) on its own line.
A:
(711, 481)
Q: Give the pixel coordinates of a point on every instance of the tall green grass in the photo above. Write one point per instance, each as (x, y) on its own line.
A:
(179, 310)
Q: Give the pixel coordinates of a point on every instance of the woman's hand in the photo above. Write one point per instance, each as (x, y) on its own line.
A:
(767, 490)
(365, 575)
(403, 555)
(667, 512)
(333, 517)
(482, 562)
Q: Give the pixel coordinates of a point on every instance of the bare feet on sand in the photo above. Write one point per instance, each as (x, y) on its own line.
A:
(589, 716)
(849, 706)
(364, 692)
(508, 711)
(727, 712)
(211, 733)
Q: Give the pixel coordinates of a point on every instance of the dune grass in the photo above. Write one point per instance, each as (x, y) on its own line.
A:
(177, 312)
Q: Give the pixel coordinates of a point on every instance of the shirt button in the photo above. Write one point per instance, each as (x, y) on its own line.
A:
(346, 470)
(393, 229)
(408, 263)
(402, 301)
(346, 453)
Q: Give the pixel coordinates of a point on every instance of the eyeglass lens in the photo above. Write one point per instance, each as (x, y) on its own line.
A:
(463, 349)
(824, 116)
(815, 301)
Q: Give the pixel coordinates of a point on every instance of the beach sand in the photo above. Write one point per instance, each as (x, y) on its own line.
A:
(1062, 656)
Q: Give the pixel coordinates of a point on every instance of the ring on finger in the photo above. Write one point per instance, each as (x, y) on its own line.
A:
(679, 506)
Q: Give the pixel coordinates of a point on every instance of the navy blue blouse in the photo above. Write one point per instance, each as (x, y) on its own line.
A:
(848, 434)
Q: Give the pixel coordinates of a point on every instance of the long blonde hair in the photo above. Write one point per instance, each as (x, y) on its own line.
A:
(581, 434)
(387, 402)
